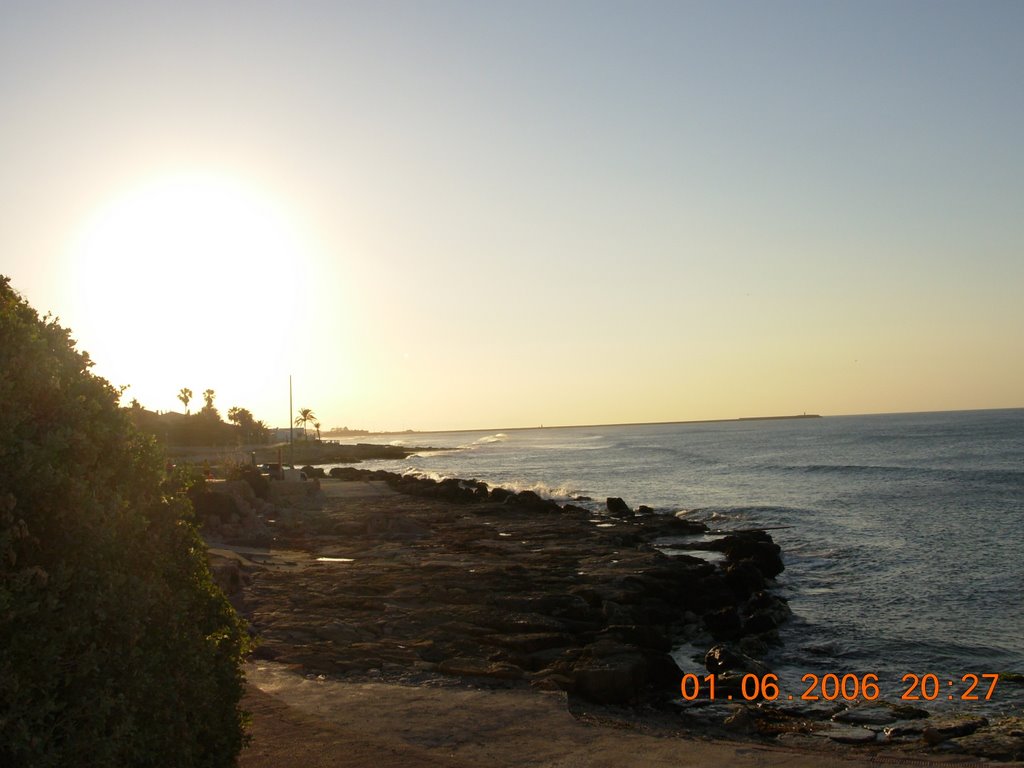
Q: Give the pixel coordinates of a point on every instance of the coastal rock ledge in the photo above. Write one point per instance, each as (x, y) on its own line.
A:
(390, 577)
(456, 579)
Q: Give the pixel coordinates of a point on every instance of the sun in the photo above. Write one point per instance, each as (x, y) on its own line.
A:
(184, 279)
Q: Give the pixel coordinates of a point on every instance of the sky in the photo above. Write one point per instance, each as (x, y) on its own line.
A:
(453, 215)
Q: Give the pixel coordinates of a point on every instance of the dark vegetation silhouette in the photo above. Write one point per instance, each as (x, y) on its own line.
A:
(204, 428)
(116, 647)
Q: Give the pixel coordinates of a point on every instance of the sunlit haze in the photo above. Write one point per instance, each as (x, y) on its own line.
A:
(454, 215)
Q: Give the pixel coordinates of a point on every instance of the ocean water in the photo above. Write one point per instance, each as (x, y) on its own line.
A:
(902, 535)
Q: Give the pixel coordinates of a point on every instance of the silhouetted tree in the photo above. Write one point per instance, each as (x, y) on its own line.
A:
(244, 419)
(305, 415)
(185, 395)
(208, 396)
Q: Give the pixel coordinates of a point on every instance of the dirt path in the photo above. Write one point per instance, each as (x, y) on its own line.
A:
(308, 723)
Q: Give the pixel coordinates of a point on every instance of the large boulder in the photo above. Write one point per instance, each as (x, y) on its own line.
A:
(615, 679)
(756, 547)
(618, 507)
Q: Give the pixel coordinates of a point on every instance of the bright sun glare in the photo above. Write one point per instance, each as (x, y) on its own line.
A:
(180, 280)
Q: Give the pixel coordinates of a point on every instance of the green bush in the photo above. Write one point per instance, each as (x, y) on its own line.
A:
(116, 648)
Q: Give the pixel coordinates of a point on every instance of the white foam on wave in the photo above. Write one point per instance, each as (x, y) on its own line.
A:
(564, 492)
(500, 437)
(424, 474)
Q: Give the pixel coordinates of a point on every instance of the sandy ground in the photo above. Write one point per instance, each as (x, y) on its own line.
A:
(309, 723)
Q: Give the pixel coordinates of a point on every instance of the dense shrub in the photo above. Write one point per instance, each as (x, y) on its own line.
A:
(116, 649)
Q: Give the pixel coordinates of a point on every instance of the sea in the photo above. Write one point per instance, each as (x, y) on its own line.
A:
(902, 534)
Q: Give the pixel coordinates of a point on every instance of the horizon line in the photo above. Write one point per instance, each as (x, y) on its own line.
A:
(737, 419)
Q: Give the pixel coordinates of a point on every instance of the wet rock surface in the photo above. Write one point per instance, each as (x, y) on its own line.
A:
(455, 583)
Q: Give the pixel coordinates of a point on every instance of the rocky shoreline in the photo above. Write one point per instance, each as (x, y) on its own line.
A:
(378, 576)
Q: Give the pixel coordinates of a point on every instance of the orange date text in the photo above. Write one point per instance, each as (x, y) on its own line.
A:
(843, 687)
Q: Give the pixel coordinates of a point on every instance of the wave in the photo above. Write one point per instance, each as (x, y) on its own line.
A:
(999, 476)
(500, 437)
(763, 513)
(848, 469)
(562, 492)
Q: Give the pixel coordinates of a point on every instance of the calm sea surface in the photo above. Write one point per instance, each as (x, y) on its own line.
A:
(903, 535)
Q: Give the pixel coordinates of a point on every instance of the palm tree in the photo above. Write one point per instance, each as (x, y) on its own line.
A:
(185, 395)
(305, 415)
(208, 396)
(316, 426)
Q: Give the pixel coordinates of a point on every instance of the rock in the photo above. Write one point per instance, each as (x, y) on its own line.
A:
(531, 642)
(756, 547)
(759, 623)
(615, 613)
(572, 508)
(906, 729)
(946, 729)
(643, 509)
(723, 623)
(850, 734)
(1003, 740)
(614, 679)
(618, 507)
(460, 492)
(741, 721)
(754, 646)
(933, 736)
(682, 525)
(909, 712)
(346, 473)
(472, 667)
(811, 710)
(766, 604)
(259, 485)
(871, 714)
(500, 495)
(721, 658)
(642, 636)
(745, 578)
(711, 592)
(531, 500)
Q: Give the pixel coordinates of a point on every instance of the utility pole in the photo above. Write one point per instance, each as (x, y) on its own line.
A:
(291, 444)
